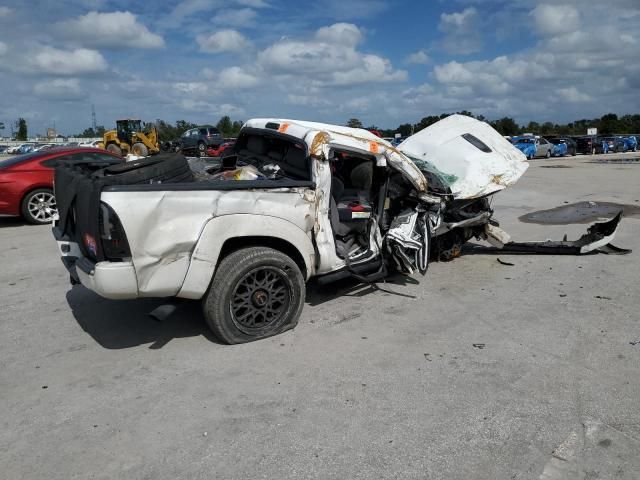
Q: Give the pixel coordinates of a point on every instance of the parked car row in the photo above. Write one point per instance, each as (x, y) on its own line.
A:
(559, 146)
(29, 147)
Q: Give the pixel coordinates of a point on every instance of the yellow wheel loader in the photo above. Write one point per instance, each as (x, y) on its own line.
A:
(128, 137)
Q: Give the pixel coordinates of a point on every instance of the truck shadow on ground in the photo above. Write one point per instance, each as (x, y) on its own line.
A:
(350, 287)
(118, 324)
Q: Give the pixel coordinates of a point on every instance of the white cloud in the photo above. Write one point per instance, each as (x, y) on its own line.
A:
(322, 61)
(346, 34)
(418, 58)
(223, 41)
(462, 36)
(571, 94)
(5, 11)
(231, 78)
(59, 89)
(189, 8)
(236, 18)
(3, 48)
(110, 30)
(313, 101)
(458, 19)
(62, 62)
(556, 19)
(211, 109)
(253, 3)
(236, 77)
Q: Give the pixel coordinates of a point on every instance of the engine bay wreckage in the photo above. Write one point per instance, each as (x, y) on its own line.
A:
(293, 200)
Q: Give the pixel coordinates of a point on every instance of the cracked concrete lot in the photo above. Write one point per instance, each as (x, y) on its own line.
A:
(480, 370)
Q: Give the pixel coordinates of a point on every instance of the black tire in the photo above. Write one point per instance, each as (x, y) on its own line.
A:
(236, 297)
(165, 167)
(139, 149)
(548, 155)
(115, 149)
(39, 206)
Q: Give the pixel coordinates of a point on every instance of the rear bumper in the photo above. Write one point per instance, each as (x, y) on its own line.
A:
(113, 280)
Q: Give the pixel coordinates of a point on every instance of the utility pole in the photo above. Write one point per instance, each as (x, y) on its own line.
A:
(93, 118)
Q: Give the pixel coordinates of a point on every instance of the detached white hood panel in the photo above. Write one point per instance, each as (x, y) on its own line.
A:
(471, 172)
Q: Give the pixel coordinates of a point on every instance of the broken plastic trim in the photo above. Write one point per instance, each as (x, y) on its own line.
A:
(597, 239)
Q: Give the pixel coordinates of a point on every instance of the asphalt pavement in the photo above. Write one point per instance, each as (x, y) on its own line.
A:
(479, 370)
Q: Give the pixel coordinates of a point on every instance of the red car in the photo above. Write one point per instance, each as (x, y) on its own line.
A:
(217, 152)
(26, 181)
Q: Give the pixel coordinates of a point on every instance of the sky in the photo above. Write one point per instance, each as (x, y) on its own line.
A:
(385, 62)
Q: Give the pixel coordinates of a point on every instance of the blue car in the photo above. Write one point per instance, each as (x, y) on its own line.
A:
(533, 146)
(630, 143)
(613, 145)
(559, 148)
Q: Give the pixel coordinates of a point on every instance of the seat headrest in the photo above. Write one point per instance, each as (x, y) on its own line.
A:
(257, 145)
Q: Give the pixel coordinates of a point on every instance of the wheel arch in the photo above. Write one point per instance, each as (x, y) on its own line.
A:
(226, 234)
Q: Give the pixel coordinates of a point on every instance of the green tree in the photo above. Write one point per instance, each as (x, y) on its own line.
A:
(182, 126)
(354, 123)
(506, 126)
(405, 129)
(237, 125)
(21, 128)
(225, 126)
(609, 124)
(87, 133)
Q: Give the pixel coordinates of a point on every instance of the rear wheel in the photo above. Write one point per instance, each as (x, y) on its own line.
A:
(39, 206)
(548, 154)
(115, 149)
(256, 292)
(140, 149)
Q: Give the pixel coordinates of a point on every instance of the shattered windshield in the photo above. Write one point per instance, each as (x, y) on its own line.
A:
(436, 179)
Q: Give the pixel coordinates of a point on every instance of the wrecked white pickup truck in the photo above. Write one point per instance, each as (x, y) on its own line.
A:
(295, 200)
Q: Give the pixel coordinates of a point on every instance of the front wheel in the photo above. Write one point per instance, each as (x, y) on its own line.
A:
(115, 149)
(256, 292)
(548, 154)
(39, 206)
(202, 149)
(139, 149)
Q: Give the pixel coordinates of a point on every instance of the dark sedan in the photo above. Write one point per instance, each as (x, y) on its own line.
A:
(26, 181)
(589, 145)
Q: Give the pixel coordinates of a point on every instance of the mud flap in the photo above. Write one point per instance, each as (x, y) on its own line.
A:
(597, 240)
